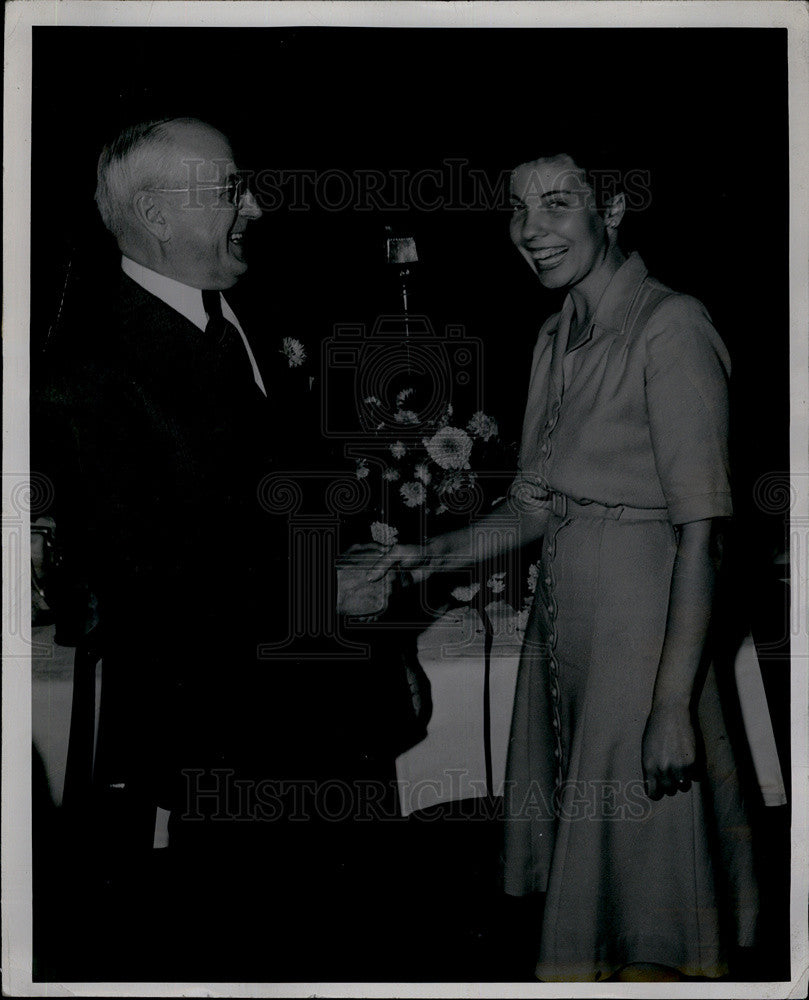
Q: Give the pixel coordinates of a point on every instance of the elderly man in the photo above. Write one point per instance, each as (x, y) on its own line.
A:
(175, 413)
(173, 428)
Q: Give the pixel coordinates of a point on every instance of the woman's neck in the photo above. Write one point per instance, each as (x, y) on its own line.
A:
(587, 293)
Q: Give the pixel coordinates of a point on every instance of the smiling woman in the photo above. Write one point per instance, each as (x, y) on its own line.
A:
(623, 474)
(625, 441)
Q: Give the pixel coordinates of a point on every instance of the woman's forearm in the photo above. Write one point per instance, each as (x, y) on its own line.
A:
(689, 613)
(510, 526)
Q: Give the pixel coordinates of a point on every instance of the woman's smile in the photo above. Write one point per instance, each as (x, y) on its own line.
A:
(548, 257)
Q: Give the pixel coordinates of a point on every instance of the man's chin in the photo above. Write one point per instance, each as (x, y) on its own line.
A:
(235, 269)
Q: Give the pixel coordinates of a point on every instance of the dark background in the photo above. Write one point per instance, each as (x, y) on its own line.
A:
(705, 111)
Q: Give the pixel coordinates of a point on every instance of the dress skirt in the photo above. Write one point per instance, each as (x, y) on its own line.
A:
(626, 879)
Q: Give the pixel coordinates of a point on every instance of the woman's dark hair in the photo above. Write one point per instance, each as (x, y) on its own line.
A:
(610, 171)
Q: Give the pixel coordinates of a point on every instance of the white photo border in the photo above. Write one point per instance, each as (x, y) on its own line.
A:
(20, 17)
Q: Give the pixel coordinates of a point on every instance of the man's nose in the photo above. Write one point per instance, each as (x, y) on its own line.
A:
(249, 207)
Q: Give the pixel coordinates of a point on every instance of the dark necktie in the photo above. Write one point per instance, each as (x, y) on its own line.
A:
(225, 339)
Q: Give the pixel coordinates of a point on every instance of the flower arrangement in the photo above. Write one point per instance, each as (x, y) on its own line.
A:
(427, 478)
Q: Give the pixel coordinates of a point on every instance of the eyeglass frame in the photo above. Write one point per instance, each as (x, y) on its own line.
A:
(235, 181)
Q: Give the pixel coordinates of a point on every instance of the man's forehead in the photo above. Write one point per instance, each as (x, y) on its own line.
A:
(204, 149)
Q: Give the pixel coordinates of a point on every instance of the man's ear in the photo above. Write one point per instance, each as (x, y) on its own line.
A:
(614, 211)
(150, 214)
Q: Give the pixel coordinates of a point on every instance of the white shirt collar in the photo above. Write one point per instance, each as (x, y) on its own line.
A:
(188, 302)
(182, 298)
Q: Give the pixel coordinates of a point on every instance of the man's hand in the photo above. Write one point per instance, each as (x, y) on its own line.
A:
(357, 594)
(669, 749)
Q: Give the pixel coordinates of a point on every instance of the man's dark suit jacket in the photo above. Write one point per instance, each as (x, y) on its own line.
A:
(164, 449)
(161, 501)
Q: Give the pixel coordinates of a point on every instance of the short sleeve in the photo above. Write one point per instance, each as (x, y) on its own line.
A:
(687, 371)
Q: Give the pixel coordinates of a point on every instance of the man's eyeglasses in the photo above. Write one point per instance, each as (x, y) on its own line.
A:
(235, 186)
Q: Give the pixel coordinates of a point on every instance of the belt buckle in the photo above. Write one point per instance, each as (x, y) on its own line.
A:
(559, 505)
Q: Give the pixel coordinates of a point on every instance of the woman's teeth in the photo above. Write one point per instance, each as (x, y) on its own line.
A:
(549, 257)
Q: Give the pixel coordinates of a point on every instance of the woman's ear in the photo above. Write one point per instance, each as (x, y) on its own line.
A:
(614, 211)
(150, 214)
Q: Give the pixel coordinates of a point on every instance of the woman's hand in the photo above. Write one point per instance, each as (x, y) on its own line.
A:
(669, 742)
(669, 749)
(420, 561)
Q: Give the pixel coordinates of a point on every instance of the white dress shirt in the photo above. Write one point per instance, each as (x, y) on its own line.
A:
(187, 301)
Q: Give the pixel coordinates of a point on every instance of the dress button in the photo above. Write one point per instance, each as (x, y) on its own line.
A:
(547, 581)
(544, 448)
(556, 724)
(557, 753)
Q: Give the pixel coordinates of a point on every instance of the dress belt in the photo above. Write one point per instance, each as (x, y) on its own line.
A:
(564, 506)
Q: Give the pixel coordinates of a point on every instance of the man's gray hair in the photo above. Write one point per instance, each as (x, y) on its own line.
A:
(142, 156)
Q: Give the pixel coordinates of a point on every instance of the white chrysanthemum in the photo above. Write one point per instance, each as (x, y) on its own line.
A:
(496, 583)
(465, 593)
(372, 401)
(482, 426)
(533, 577)
(390, 475)
(414, 494)
(441, 509)
(450, 448)
(384, 534)
(422, 472)
(362, 469)
(295, 351)
(403, 395)
(406, 417)
(397, 449)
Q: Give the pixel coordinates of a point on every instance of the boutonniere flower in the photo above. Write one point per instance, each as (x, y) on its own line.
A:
(294, 351)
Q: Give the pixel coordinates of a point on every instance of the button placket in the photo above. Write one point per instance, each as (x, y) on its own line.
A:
(551, 608)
